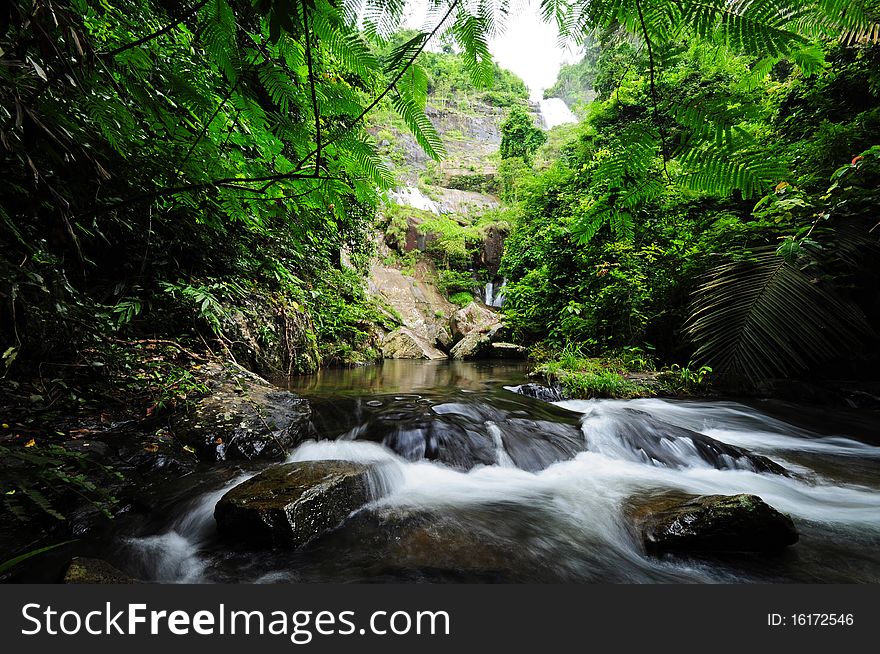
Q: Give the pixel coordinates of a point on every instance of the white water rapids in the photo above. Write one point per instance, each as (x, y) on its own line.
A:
(570, 515)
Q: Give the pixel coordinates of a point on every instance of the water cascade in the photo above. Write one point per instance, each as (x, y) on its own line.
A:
(492, 296)
(410, 196)
(478, 483)
(555, 112)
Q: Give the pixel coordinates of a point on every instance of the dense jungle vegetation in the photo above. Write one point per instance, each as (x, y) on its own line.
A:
(188, 179)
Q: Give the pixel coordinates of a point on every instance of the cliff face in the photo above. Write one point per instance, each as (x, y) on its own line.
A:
(439, 239)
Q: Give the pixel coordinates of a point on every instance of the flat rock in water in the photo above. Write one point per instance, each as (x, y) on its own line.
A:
(711, 524)
(290, 504)
(83, 570)
(412, 544)
(508, 351)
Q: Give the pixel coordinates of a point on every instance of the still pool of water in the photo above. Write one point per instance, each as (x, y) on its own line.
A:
(483, 484)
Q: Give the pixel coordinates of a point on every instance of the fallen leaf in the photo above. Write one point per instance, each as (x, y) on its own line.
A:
(151, 447)
(30, 443)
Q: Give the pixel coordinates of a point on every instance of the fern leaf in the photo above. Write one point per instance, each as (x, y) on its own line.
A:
(766, 317)
(421, 127)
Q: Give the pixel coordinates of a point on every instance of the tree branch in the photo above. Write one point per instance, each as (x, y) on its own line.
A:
(654, 102)
(157, 34)
(315, 108)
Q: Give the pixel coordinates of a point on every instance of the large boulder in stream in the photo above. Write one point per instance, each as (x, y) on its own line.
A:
(292, 503)
(476, 344)
(404, 343)
(242, 416)
(475, 317)
(638, 436)
(711, 524)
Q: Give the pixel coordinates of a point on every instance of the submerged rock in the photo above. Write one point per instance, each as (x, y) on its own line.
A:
(461, 545)
(83, 570)
(403, 343)
(290, 504)
(243, 416)
(712, 524)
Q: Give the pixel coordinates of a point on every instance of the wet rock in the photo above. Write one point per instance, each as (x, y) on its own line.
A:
(475, 345)
(404, 343)
(463, 435)
(84, 570)
(539, 392)
(492, 248)
(416, 303)
(411, 544)
(640, 437)
(712, 524)
(290, 504)
(243, 416)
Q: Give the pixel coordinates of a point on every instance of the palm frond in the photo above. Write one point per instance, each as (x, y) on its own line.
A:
(765, 316)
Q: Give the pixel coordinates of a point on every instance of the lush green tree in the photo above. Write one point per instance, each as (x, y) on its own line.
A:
(520, 137)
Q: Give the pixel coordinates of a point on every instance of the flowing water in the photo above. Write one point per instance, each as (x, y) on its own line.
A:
(478, 483)
(555, 112)
(493, 294)
(411, 196)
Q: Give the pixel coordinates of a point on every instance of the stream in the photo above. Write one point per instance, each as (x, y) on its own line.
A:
(482, 484)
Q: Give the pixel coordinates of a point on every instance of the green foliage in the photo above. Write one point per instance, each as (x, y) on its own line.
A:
(449, 240)
(613, 237)
(42, 475)
(462, 298)
(21, 558)
(519, 135)
(677, 380)
(453, 282)
(767, 316)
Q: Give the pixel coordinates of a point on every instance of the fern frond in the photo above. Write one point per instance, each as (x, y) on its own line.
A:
(421, 127)
(370, 165)
(343, 43)
(470, 33)
(723, 171)
(765, 317)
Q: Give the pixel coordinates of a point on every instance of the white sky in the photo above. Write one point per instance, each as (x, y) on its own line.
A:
(528, 46)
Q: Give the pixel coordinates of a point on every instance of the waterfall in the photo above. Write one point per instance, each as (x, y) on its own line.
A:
(492, 297)
(555, 112)
(410, 196)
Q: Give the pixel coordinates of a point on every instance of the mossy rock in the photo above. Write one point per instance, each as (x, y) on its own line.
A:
(84, 570)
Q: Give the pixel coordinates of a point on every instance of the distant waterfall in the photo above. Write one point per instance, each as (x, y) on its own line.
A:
(494, 297)
(555, 112)
(410, 196)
